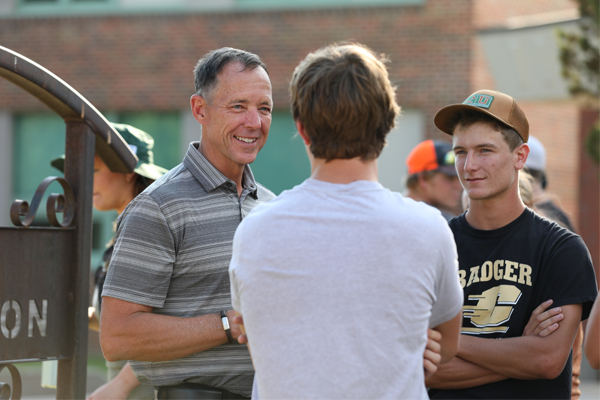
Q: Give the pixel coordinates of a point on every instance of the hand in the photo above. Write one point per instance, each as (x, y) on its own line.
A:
(432, 356)
(543, 322)
(117, 388)
(110, 390)
(239, 320)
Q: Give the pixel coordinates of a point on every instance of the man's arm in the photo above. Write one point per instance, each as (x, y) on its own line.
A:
(461, 374)
(527, 357)
(130, 331)
(450, 331)
(592, 336)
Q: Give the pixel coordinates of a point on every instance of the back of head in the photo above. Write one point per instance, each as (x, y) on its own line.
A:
(207, 69)
(345, 101)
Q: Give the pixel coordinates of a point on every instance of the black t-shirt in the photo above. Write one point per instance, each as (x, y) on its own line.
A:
(506, 273)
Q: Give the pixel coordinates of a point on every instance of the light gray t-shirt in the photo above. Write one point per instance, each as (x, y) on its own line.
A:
(338, 285)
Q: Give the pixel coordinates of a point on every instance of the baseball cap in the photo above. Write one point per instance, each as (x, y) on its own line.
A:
(537, 155)
(431, 155)
(497, 105)
(140, 143)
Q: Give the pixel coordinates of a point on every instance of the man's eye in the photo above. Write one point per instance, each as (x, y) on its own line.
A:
(266, 109)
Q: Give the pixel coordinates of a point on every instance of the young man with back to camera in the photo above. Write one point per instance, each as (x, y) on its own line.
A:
(339, 278)
(511, 260)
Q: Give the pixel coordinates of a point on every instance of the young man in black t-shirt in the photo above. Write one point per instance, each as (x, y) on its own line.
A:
(510, 261)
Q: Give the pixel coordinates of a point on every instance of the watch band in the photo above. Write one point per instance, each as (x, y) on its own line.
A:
(226, 327)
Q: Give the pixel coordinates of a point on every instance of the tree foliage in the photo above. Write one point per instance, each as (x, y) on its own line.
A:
(579, 52)
(581, 64)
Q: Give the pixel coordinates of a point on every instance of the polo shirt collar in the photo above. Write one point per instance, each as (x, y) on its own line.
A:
(211, 178)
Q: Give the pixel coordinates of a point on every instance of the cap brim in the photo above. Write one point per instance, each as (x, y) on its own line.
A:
(59, 163)
(447, 170)
(443, 117)
(150, 171)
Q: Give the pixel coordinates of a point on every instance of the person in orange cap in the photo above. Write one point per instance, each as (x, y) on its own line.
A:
(432, 177)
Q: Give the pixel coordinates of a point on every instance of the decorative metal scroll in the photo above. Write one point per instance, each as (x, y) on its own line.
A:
(57, 203)
(5, 390)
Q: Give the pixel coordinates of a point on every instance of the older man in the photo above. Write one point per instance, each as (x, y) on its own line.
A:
(166, 296)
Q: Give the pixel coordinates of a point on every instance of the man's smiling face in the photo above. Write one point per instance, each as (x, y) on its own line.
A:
(237, 117)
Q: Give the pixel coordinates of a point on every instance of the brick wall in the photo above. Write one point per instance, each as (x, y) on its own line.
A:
(589, 200)
(494, 13)
(145, 62)
(556, 124)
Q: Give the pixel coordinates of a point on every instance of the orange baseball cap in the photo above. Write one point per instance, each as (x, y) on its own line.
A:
(497, 105)
(431, 155)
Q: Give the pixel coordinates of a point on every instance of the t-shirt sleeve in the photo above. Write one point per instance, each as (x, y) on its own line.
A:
(448, 292)
(142, 262)
(569, 276)
(233, 265)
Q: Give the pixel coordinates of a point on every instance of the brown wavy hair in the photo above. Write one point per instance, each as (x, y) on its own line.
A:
(343, 97)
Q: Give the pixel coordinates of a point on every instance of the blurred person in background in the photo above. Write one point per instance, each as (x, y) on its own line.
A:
(432, 177)
(544, 201)
(114, 191)
(592, 336)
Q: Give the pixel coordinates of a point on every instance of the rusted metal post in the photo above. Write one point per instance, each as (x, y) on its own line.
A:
(45, 271)
(79, 150)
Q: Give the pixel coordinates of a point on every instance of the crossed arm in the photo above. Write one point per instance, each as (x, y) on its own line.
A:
(535, 355)
(130, 331)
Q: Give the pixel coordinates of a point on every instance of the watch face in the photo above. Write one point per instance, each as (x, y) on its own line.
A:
(225, 323)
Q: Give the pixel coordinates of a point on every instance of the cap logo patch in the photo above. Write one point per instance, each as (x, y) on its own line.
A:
(133, 148)
(480, 100)
(449, 158)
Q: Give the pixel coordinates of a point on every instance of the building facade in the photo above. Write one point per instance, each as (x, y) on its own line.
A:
(133, 60)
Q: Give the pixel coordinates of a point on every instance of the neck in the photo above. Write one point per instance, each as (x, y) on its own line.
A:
(344, 170)
(231, 170)
(414, 194)
(489, 214)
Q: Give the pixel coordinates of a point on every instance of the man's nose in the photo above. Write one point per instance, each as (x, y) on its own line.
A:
(470, 163)
(252, 121)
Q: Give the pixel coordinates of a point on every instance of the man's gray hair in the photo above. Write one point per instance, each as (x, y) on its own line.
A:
(208, 67)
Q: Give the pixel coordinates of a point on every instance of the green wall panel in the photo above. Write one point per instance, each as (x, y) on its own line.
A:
(282, 163)
(165, 128)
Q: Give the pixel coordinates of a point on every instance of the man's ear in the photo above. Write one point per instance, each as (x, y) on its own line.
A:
(521, 152)
(302, 133)
(198, 105)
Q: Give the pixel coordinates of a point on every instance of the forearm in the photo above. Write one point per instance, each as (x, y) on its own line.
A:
(521, 357)
(126, 378)
(592, 337)
(461, 374)
(145, 336)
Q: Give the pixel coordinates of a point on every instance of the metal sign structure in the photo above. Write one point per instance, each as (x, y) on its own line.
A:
(44, 272)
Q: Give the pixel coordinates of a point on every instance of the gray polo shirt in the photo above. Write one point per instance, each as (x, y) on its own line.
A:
(172, 252)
